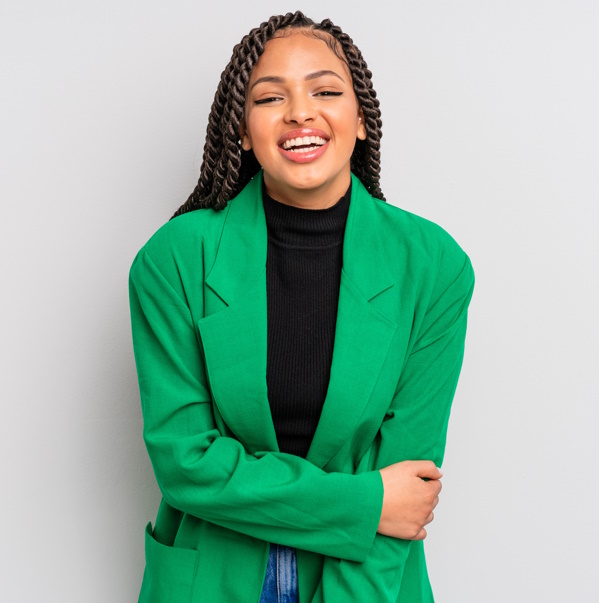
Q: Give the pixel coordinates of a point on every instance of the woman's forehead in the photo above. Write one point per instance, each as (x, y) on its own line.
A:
(297, 52)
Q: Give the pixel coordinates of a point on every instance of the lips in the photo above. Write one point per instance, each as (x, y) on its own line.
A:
(301, 133)
(303, 152)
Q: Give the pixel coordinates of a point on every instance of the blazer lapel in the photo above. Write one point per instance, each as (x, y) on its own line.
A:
(233, 331)
(363, 334)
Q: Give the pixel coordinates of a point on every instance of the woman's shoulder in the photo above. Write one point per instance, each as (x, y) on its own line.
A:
(433, 255)
(189, 238)
(186, 230)
(421, 237)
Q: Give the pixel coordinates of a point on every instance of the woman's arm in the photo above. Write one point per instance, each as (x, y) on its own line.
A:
(415, 429)
(273, 496)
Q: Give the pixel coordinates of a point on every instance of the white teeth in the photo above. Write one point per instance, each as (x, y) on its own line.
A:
(295, 142)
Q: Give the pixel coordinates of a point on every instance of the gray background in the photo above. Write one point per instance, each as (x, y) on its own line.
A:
(490, 129)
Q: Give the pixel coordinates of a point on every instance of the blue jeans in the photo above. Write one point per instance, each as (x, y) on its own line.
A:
(280, 581)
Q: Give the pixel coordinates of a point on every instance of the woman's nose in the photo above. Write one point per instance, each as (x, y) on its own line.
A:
(299, 110)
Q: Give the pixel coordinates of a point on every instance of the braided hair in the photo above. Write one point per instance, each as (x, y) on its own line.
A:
(226, 167)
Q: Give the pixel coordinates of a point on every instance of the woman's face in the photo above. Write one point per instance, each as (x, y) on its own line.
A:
(299, 89)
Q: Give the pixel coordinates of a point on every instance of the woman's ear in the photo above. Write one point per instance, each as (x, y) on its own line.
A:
(246, 143)
(361, 127)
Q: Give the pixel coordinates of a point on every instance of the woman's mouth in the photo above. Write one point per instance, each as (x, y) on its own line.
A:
(302, 149)
(303, 144)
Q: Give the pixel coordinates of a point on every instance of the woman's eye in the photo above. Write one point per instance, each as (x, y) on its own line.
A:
(271, 99)
(266, 100)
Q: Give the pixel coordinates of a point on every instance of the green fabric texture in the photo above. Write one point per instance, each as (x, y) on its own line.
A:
(198, 313)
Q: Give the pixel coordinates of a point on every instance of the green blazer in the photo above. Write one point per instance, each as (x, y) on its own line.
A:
(198, 311)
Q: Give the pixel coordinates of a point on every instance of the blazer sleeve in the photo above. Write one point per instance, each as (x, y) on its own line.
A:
(272, 496)
(415, 429)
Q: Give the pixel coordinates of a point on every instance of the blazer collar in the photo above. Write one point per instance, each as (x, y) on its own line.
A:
(241, 257)
(233, 331)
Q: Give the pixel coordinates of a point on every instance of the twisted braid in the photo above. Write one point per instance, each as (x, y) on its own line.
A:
(226, 168)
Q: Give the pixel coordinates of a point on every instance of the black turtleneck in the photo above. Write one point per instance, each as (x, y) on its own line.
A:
(303, 272)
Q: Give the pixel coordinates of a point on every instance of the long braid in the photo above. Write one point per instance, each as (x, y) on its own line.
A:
(226, 167)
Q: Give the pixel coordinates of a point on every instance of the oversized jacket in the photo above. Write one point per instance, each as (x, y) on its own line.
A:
(198, 311)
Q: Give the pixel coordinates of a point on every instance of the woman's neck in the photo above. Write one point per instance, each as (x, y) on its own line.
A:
(320, 197)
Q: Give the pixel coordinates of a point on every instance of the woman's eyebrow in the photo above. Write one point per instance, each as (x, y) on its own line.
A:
(311, 76)
(317, 74)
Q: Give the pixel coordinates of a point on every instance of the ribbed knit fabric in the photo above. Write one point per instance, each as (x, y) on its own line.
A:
(303, 272)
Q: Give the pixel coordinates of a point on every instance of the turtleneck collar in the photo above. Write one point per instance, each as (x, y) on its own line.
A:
(290, 226)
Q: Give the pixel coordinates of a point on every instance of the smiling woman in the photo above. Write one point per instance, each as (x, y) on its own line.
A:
(298, 343)
(300, 89)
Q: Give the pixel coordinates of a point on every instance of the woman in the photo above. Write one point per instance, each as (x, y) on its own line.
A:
(298, 343)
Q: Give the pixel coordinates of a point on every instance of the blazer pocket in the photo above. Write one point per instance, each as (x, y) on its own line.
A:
(170, 572)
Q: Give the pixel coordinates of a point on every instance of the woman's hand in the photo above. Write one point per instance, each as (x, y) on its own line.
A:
(408, 501)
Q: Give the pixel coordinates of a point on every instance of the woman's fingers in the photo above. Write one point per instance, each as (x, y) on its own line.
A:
(421, 535)
(426, 469)
(411, 493)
